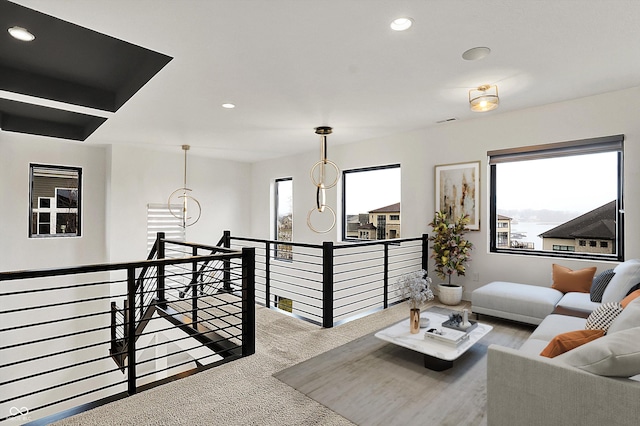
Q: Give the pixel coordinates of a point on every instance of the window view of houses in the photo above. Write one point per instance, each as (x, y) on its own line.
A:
(591, 232)
(379, 224)
(284, 217)
(371, 203)
(55, 201)
(563, 200)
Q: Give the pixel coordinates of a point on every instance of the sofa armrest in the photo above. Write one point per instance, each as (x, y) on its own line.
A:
(532, 390)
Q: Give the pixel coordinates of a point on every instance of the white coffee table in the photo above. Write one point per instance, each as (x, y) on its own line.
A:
(438, 356)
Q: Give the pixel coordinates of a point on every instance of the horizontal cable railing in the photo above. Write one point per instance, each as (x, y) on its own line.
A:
(94, 333)
(331, 283)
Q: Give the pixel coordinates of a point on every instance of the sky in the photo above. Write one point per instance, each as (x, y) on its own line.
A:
(371, 190)
(579, 183)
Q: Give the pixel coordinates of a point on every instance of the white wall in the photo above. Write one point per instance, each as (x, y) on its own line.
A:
(118, 182)
(17, 250)
(419, 151)
(139, 176)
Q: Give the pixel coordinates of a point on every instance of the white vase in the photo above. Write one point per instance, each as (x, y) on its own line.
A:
(450, 294)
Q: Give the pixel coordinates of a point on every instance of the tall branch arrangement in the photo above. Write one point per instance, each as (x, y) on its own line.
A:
(450, 250)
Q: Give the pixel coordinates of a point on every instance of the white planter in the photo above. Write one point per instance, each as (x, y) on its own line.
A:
(450, 295)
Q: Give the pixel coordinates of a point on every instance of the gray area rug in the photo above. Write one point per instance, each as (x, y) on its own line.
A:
(372, 382)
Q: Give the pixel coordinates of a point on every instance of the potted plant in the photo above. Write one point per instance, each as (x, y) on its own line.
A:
(416, 288)
(451, 253)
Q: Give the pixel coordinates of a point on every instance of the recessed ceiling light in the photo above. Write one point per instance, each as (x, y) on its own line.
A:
(21, 34)
(476, 53)
(401, 24)
(228, 106)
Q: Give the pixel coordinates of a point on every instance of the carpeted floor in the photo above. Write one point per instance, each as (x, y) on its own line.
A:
(244, 392)
(372, 382)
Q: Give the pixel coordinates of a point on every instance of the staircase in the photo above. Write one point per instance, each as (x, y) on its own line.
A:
(200, 301)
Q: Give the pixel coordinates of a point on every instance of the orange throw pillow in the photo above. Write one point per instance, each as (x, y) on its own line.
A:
(566, 341)
(629, 298)
(566, 280)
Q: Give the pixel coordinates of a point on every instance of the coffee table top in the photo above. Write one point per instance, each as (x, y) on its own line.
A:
(400, 335)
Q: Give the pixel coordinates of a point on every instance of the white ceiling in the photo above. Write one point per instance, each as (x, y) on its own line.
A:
(293, 65)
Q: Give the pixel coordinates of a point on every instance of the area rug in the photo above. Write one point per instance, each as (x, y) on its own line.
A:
(372, 382)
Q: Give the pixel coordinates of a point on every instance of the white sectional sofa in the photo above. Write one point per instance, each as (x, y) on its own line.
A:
(527, 389)
(597, 383)
(531, 303)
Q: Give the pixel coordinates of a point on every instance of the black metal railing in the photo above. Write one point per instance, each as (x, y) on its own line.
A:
(331, 283)
(62, 329)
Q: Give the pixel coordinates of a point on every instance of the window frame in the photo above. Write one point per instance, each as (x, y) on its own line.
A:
(344, 194)
(53, 209)
(276, 256)
(614, 143)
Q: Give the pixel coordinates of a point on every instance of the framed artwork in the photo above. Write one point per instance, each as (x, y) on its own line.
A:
(458, 191)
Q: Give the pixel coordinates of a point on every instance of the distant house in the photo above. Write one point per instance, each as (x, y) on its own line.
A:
(387, 221)
(367, 231)
(593, 232)
(353, 224)
(503, 232)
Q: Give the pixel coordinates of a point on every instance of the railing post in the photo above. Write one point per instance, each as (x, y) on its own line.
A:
(425, 252)
(194, 290)
(248, 301)
(131, 331)
(385, 302)
(267, 273)
(114, 310)
(162, 301)
(226, 236)
(327, 284)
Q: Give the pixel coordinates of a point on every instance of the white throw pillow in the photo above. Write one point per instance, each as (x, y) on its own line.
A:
(614, 355)
(628, 318)
(627, 274)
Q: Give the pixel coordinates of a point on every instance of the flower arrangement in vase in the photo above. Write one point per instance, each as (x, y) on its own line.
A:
(450, 251)
(416, 288)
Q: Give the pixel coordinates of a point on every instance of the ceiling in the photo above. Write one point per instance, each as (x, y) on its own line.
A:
(293, 65)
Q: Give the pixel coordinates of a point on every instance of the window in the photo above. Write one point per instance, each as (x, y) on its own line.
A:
(382, 227)
(161, 219)
(557, 247)
(55, 201)
(565, 199)
(284, 217)
(371, 203)
(283, 303)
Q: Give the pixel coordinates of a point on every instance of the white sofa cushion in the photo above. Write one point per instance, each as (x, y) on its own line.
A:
(614, 355)
(520, 302)
(627, 274)
(628, 318)
(533, 346)
(578, 301)
(555, 324)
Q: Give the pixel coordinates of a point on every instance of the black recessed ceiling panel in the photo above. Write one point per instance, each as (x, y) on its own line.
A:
(33, 119)
(69, 63)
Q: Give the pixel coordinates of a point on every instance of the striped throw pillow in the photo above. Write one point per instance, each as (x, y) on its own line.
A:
(599, 284)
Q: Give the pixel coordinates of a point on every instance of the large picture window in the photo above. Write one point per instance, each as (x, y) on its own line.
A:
(371, 203)
(563, 199)
(284, 217)
(55, 201)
